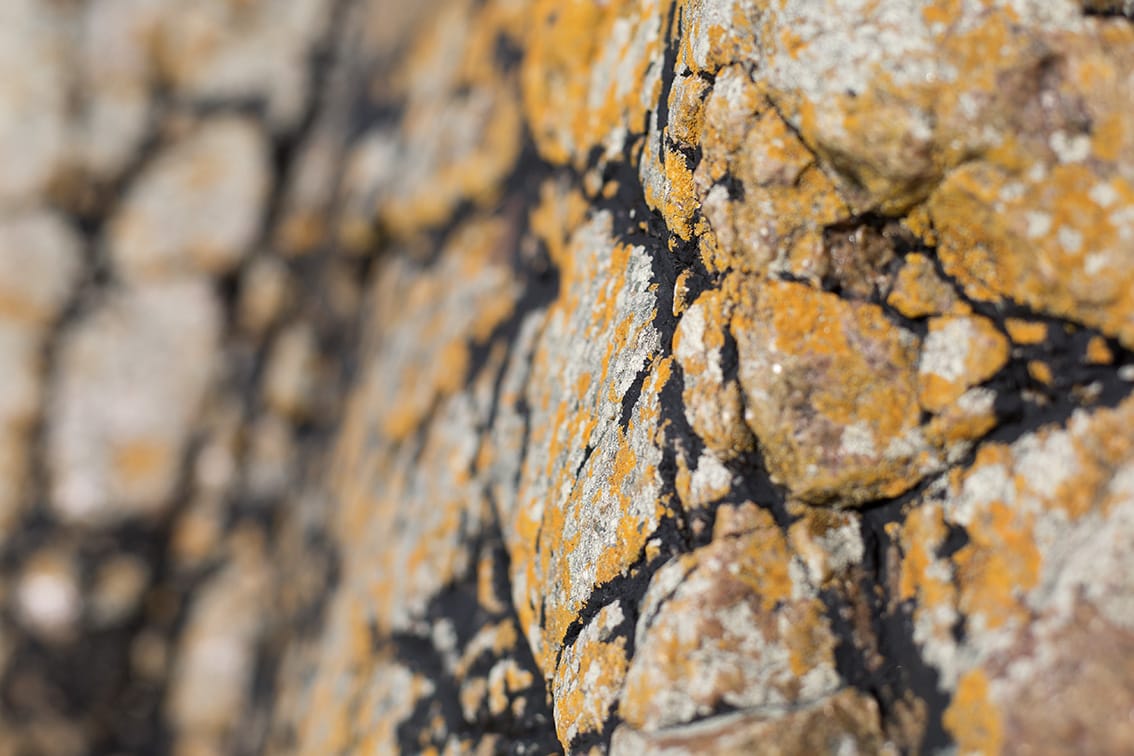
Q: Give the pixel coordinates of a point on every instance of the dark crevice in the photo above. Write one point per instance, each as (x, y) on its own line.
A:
(876, 652)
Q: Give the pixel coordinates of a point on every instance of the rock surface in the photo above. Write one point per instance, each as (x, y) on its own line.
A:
(540, 376)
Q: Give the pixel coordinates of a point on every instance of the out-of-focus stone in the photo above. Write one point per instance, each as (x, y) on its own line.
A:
(216, 662)
(114, 52)
(48, 599)
(39, 264)
(292, 372)
(269, 464)
(118, 588)
(197, 207)
(221, 50)
(33, 98)
(20, 375)
(131, 378)
(264, 291)
(197, 533)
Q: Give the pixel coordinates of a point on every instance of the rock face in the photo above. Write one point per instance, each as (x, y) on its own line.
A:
(697, 376)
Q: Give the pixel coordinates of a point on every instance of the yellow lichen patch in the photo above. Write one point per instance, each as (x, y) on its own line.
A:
(588, 498)
(1088, 455)
(1098, 353)
(1025, 332)
(1048, 244)
(714, 34)
(830, 392)
(713, 405)
(998, 566)
(433, 357)
(876, 139)
(762, 562)
(918, 291)
(959, 353)
(577, 92)
(970, 417)
(461, 126)
(687, 110)
(589, 677)
(972, 718)
(617, 483)
(922, 578)
(474, 174)
(506, 680)
(1040, 372)
(678, 200)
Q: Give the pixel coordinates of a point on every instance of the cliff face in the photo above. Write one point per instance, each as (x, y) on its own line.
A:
(552, 375)
(740, 374)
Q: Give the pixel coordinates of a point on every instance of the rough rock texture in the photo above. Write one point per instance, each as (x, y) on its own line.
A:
(538, 376)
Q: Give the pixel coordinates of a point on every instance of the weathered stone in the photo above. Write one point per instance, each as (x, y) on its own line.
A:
(728, 625)
(39, 265)
(845, 722)
(831, 392)
(918, 290)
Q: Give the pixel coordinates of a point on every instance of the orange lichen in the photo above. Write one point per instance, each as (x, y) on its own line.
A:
(1098, 353)
(1040, 371)
(918, 290)
(972, 717)
(576, 93)
(923, 579)
(998, 565)
(590, 680)
(1025, 332)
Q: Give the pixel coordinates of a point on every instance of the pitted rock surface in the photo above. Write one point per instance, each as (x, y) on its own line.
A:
(552, 376)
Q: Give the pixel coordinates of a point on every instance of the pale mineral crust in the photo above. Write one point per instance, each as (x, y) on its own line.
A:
(560, 376)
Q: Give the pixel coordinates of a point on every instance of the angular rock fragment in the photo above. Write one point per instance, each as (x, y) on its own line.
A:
(831, 394)
(728, 626)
